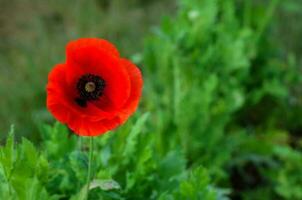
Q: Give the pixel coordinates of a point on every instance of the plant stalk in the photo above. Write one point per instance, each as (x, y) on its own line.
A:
(89, 166)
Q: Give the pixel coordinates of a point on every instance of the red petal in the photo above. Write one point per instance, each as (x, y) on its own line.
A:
(97, 43)
(79, 51)
(94, 60)
(60, 100)
(84, 127)
(121, 95)
(136, 89)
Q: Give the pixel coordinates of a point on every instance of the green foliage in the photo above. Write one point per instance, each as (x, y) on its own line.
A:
(127, 168)
(195, 186)
(224, 94)
(289, 176)
(23, 171)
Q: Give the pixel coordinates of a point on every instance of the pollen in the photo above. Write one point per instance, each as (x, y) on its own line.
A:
(90, 87)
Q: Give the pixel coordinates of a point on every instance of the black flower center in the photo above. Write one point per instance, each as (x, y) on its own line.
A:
(90, 87)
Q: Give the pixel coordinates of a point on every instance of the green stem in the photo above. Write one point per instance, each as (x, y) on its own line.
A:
(9, 186)
(270, 12)
(89, 166)
(247, 13)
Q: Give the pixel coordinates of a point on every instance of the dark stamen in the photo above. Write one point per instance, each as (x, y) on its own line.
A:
(90, 87)
(81, 102)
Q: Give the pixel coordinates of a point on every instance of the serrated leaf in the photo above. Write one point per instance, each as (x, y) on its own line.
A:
(8, 156)
(132, 137)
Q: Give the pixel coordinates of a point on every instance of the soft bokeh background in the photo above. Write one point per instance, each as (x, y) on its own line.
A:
(221, 114)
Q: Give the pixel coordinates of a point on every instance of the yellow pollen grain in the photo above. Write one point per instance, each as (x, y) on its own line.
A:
(90, 86)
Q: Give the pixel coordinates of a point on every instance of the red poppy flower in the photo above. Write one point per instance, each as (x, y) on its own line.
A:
(95, 90)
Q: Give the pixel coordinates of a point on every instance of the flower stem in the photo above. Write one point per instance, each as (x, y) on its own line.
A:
(89, 166)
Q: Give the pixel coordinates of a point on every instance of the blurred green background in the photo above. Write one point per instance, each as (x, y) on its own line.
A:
(221, 113)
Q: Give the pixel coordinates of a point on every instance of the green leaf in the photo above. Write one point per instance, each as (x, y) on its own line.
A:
(7, 155)
(132, 137)
(105, 185)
